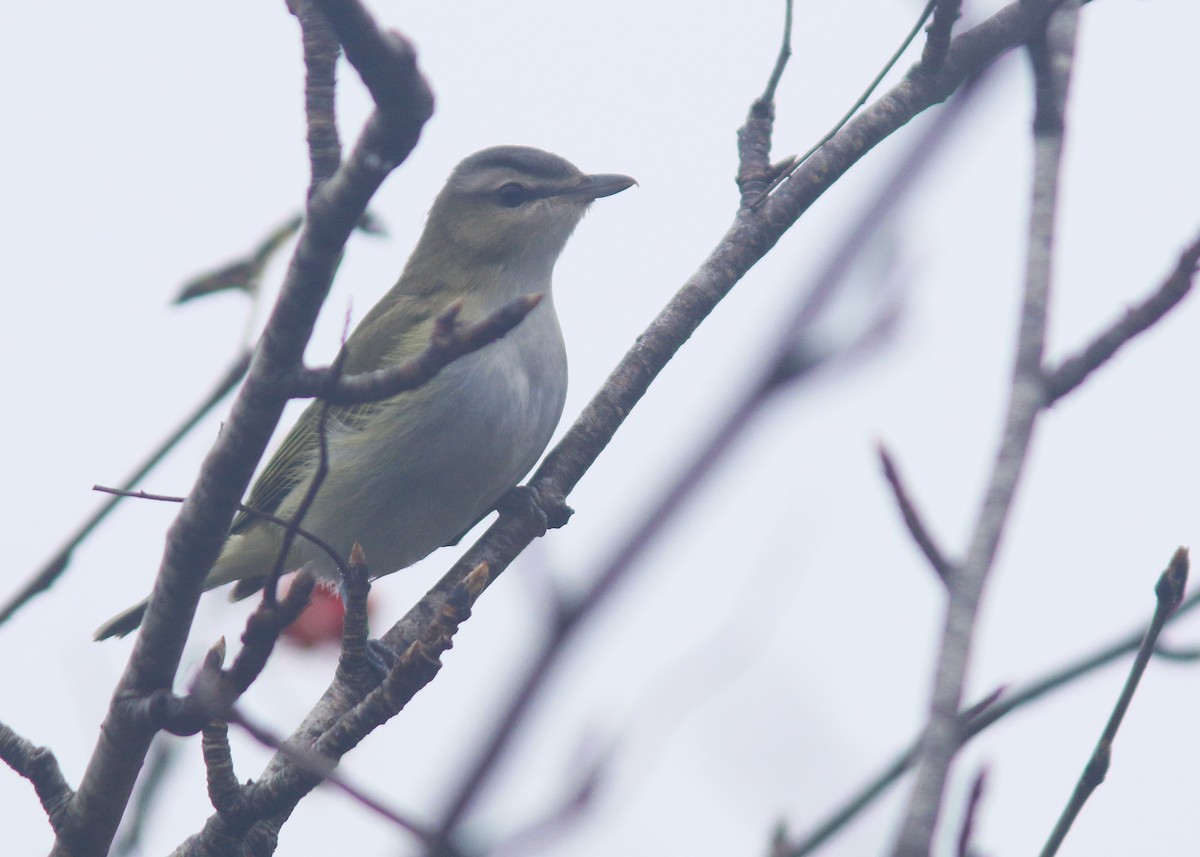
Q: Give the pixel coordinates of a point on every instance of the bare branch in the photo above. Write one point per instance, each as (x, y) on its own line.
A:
(1169, 593)
(1053, 55)
(224, 790)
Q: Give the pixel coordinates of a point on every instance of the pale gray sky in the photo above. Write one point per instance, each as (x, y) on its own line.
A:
(148, 142)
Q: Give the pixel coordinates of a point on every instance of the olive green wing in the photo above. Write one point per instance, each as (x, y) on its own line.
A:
(408, 322)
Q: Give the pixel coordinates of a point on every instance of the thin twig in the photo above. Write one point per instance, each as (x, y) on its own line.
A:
(353, 667)
(45, 577)
(1169, 593)
(320, 471)
(755, 172)
(912, 520)
(968, 822)
(315, 540)
(781, 61)
(794, 164)
(979, 717)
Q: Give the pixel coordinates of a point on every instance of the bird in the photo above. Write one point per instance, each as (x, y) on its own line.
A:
(416, 471)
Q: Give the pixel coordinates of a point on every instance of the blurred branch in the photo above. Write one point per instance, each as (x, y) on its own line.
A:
(45, 577)
(974, 799)
(974, 720)
(1169, 593)
(146, 797)
(1052, 54)
(245, 274)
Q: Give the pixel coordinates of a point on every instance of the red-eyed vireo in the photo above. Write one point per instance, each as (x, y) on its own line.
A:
(414, 472)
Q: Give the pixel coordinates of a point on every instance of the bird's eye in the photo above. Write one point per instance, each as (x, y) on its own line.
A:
(513, 195)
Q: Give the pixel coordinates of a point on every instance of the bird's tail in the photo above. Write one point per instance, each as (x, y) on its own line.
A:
(123, 623)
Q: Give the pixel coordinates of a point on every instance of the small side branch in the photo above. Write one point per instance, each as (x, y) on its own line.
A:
(755, 173)
(450, 340)
(912, 520)
(1074, 370)
(937, 41)
(785, 170)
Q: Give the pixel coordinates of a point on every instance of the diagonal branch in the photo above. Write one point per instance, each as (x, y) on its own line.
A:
(1169, 593)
